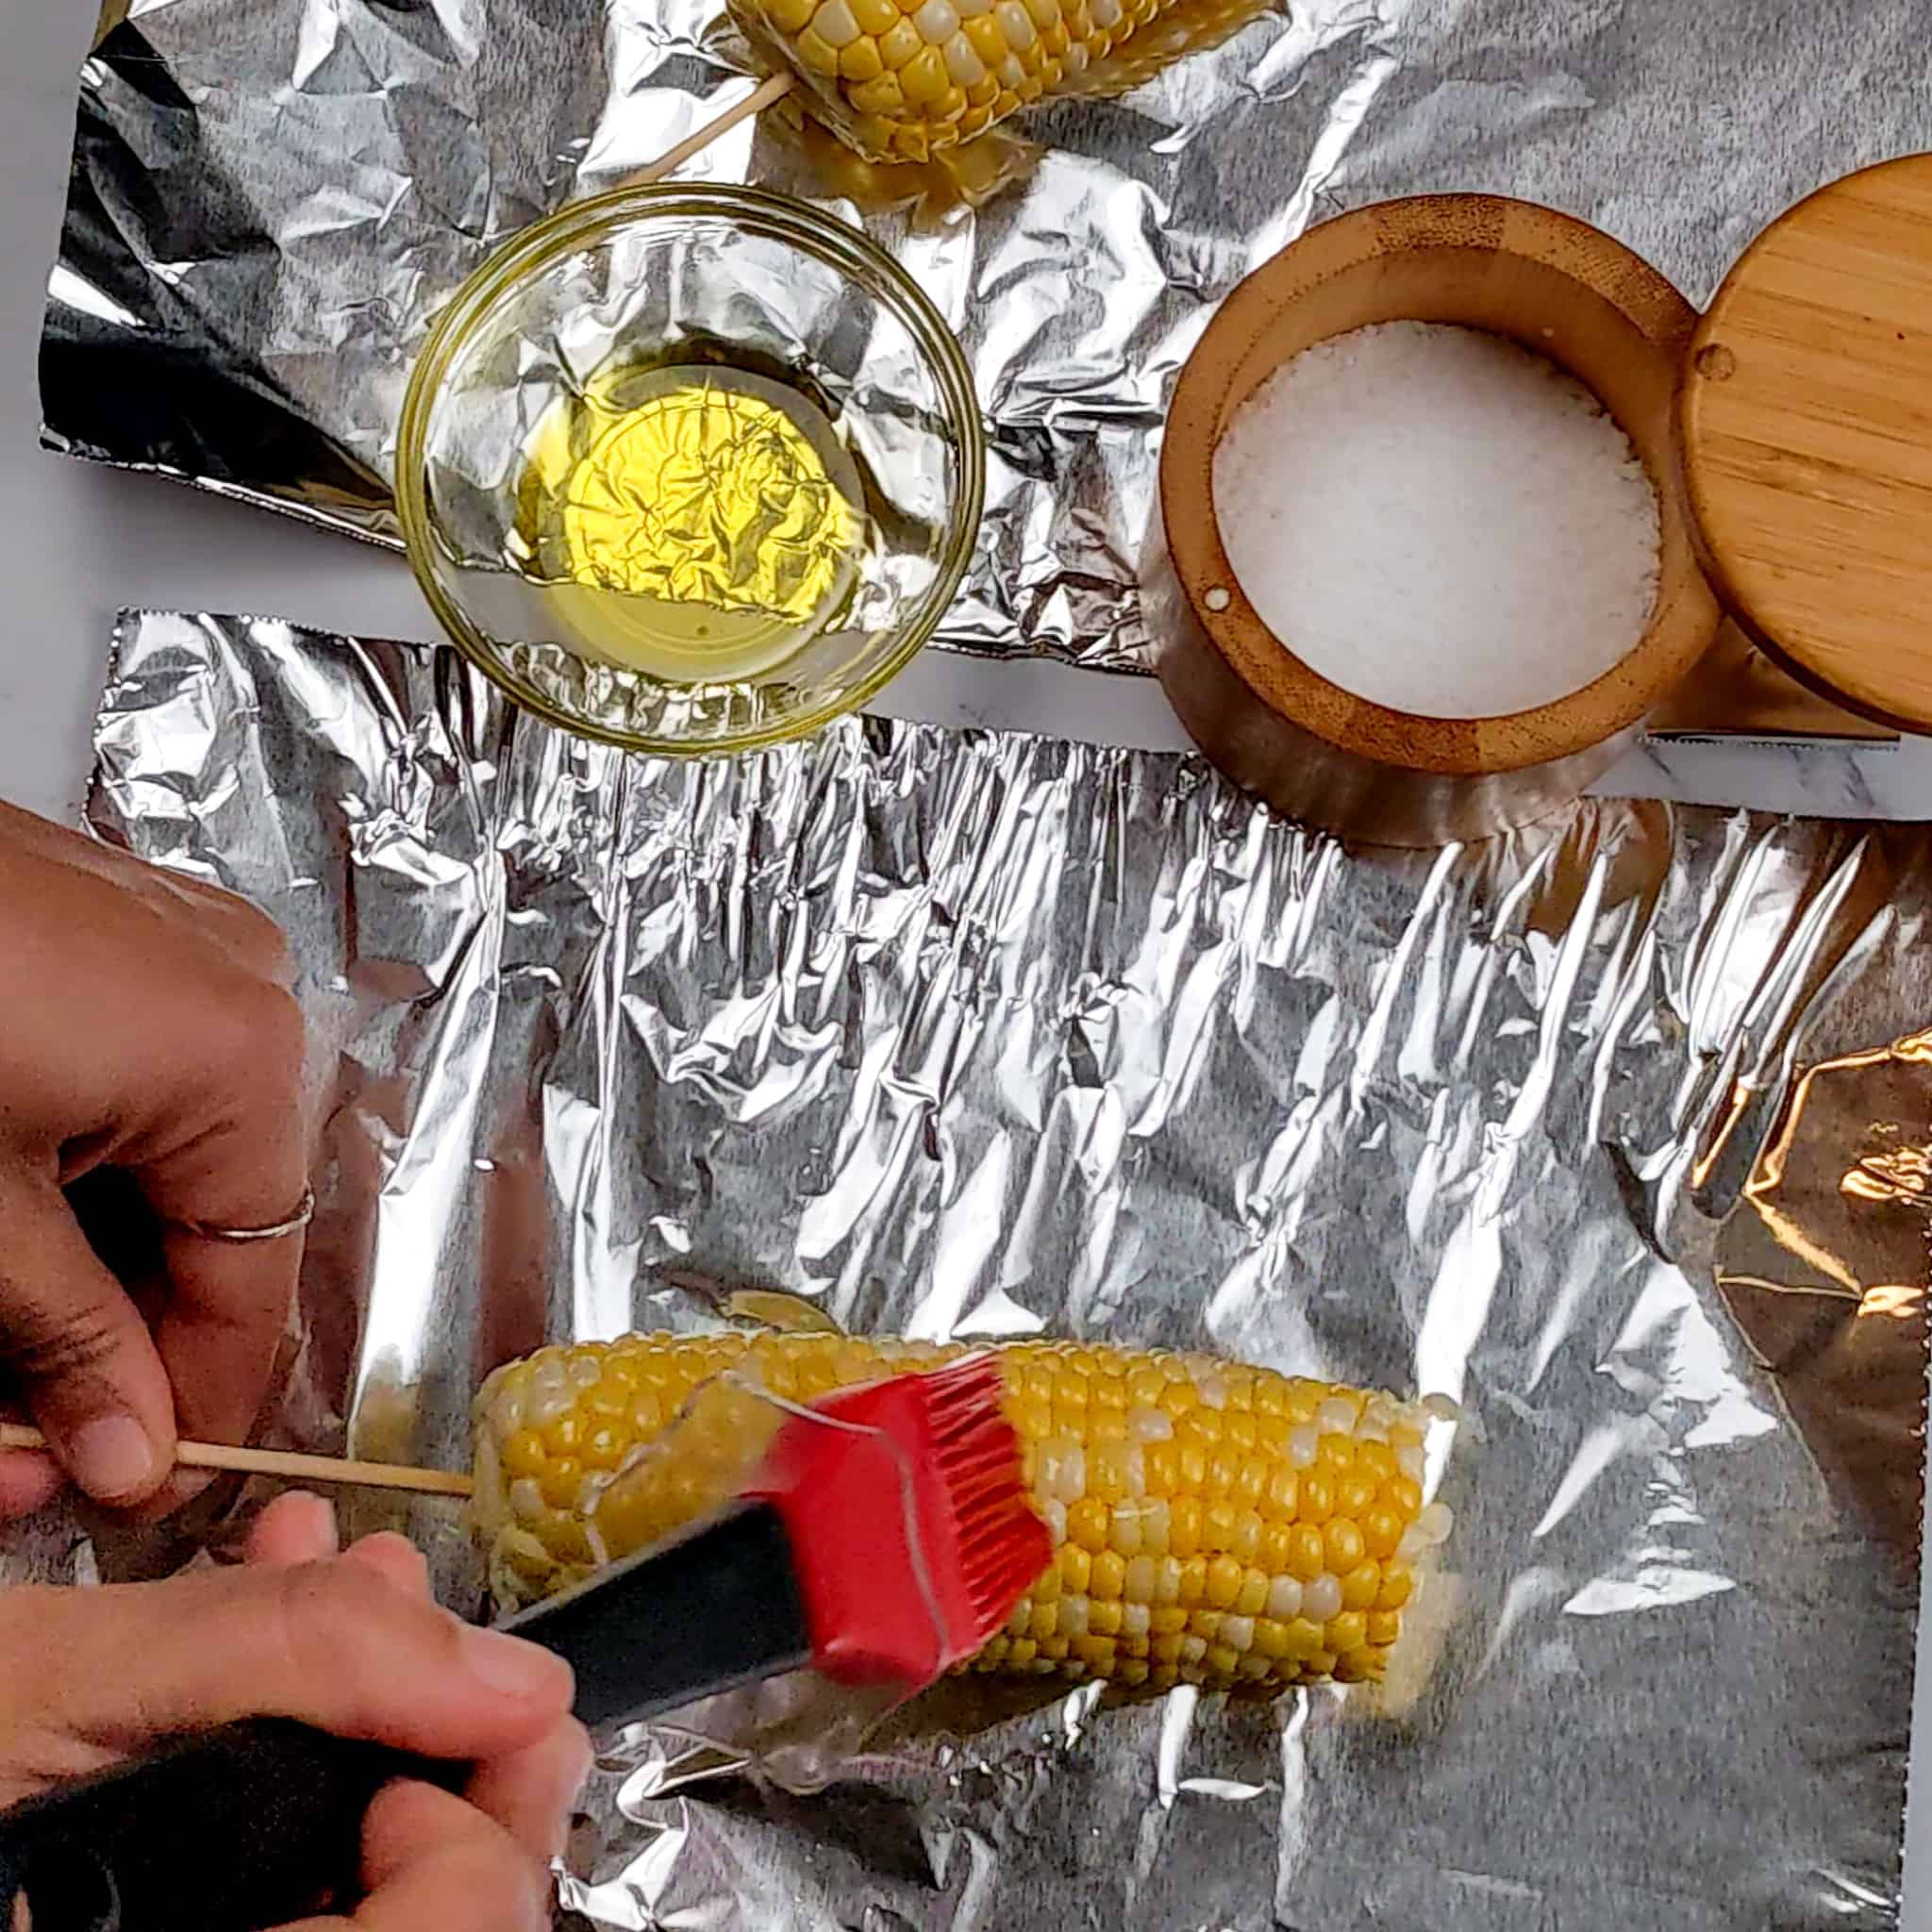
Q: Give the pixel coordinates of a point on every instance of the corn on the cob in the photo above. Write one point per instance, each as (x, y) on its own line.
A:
(901, 79)
(1215, 1524)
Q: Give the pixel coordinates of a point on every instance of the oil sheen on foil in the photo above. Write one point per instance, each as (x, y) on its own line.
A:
(1617, 1131)
(270, 200)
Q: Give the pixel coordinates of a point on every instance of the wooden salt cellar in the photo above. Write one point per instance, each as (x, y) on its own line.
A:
(1793, 472)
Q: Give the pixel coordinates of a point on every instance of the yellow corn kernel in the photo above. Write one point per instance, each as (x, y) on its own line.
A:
(1087, 1523)
(1108, 1577)
(1355, 1497)
(881, 96)
(1253, 1595)
(1184, 1525)
(1347, 1632)
(1343, 1542)
(816, 54)
(1381, 1532)
(1307, 1551)
(923, 77)
(1224, 1582)
(1361, 1585)
(899, 43)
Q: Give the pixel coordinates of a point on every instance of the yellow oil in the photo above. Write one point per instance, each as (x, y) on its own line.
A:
(696, 521)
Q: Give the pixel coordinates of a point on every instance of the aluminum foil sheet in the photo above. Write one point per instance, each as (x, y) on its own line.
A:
(1617, 1131)
(271, 198)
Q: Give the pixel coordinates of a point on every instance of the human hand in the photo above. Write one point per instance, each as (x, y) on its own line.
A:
(349, 1644)
(146, 1025)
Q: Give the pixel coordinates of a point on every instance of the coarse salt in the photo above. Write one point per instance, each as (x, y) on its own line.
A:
(1438, 521)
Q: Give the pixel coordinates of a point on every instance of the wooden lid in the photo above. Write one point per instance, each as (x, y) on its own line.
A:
(1804, 417)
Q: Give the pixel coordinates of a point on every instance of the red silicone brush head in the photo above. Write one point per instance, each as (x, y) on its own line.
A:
(911, 1531)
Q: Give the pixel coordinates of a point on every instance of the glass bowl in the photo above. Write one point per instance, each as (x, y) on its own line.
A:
(690, 470)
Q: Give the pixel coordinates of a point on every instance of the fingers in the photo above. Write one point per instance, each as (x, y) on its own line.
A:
(28, 1481)
(189, 1080)
(76, 1346)
(218, 1328)
(432, 1863)
(533, 1792)
(247, 935)
(294, 1528)
(435, 1864)
(334, 1644)
(394, 1559)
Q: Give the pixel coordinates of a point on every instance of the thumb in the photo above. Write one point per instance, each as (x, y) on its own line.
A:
(77, 1349)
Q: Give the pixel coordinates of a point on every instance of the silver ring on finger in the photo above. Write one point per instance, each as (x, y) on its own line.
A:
(274, 1231)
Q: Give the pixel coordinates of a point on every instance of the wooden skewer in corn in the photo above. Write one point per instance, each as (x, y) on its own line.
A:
(287, 1465)
(773, 89)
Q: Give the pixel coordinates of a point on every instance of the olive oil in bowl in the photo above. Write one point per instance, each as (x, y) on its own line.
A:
(693, 520)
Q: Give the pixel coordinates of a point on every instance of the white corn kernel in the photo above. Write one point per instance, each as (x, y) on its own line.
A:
(836, 23)
(965, 67)
(1156, 1525)
(1016, 24)
(1322, 1599)
(507, 1409)
(1285, 1599)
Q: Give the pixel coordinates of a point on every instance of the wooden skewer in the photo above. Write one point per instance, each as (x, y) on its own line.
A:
(287, 1465)
(773, 89)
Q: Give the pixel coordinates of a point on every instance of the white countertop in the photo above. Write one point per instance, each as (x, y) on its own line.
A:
(82, 543)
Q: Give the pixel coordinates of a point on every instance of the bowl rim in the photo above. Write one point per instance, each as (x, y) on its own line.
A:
(1683, 621)
(800, 222)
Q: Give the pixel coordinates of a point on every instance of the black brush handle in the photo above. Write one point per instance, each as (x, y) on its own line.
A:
(231, 1830)
(258, 1824)
(719, 1607)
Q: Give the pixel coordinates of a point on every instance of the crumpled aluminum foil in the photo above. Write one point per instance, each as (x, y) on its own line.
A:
(1617, 1130)
(271, 198)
